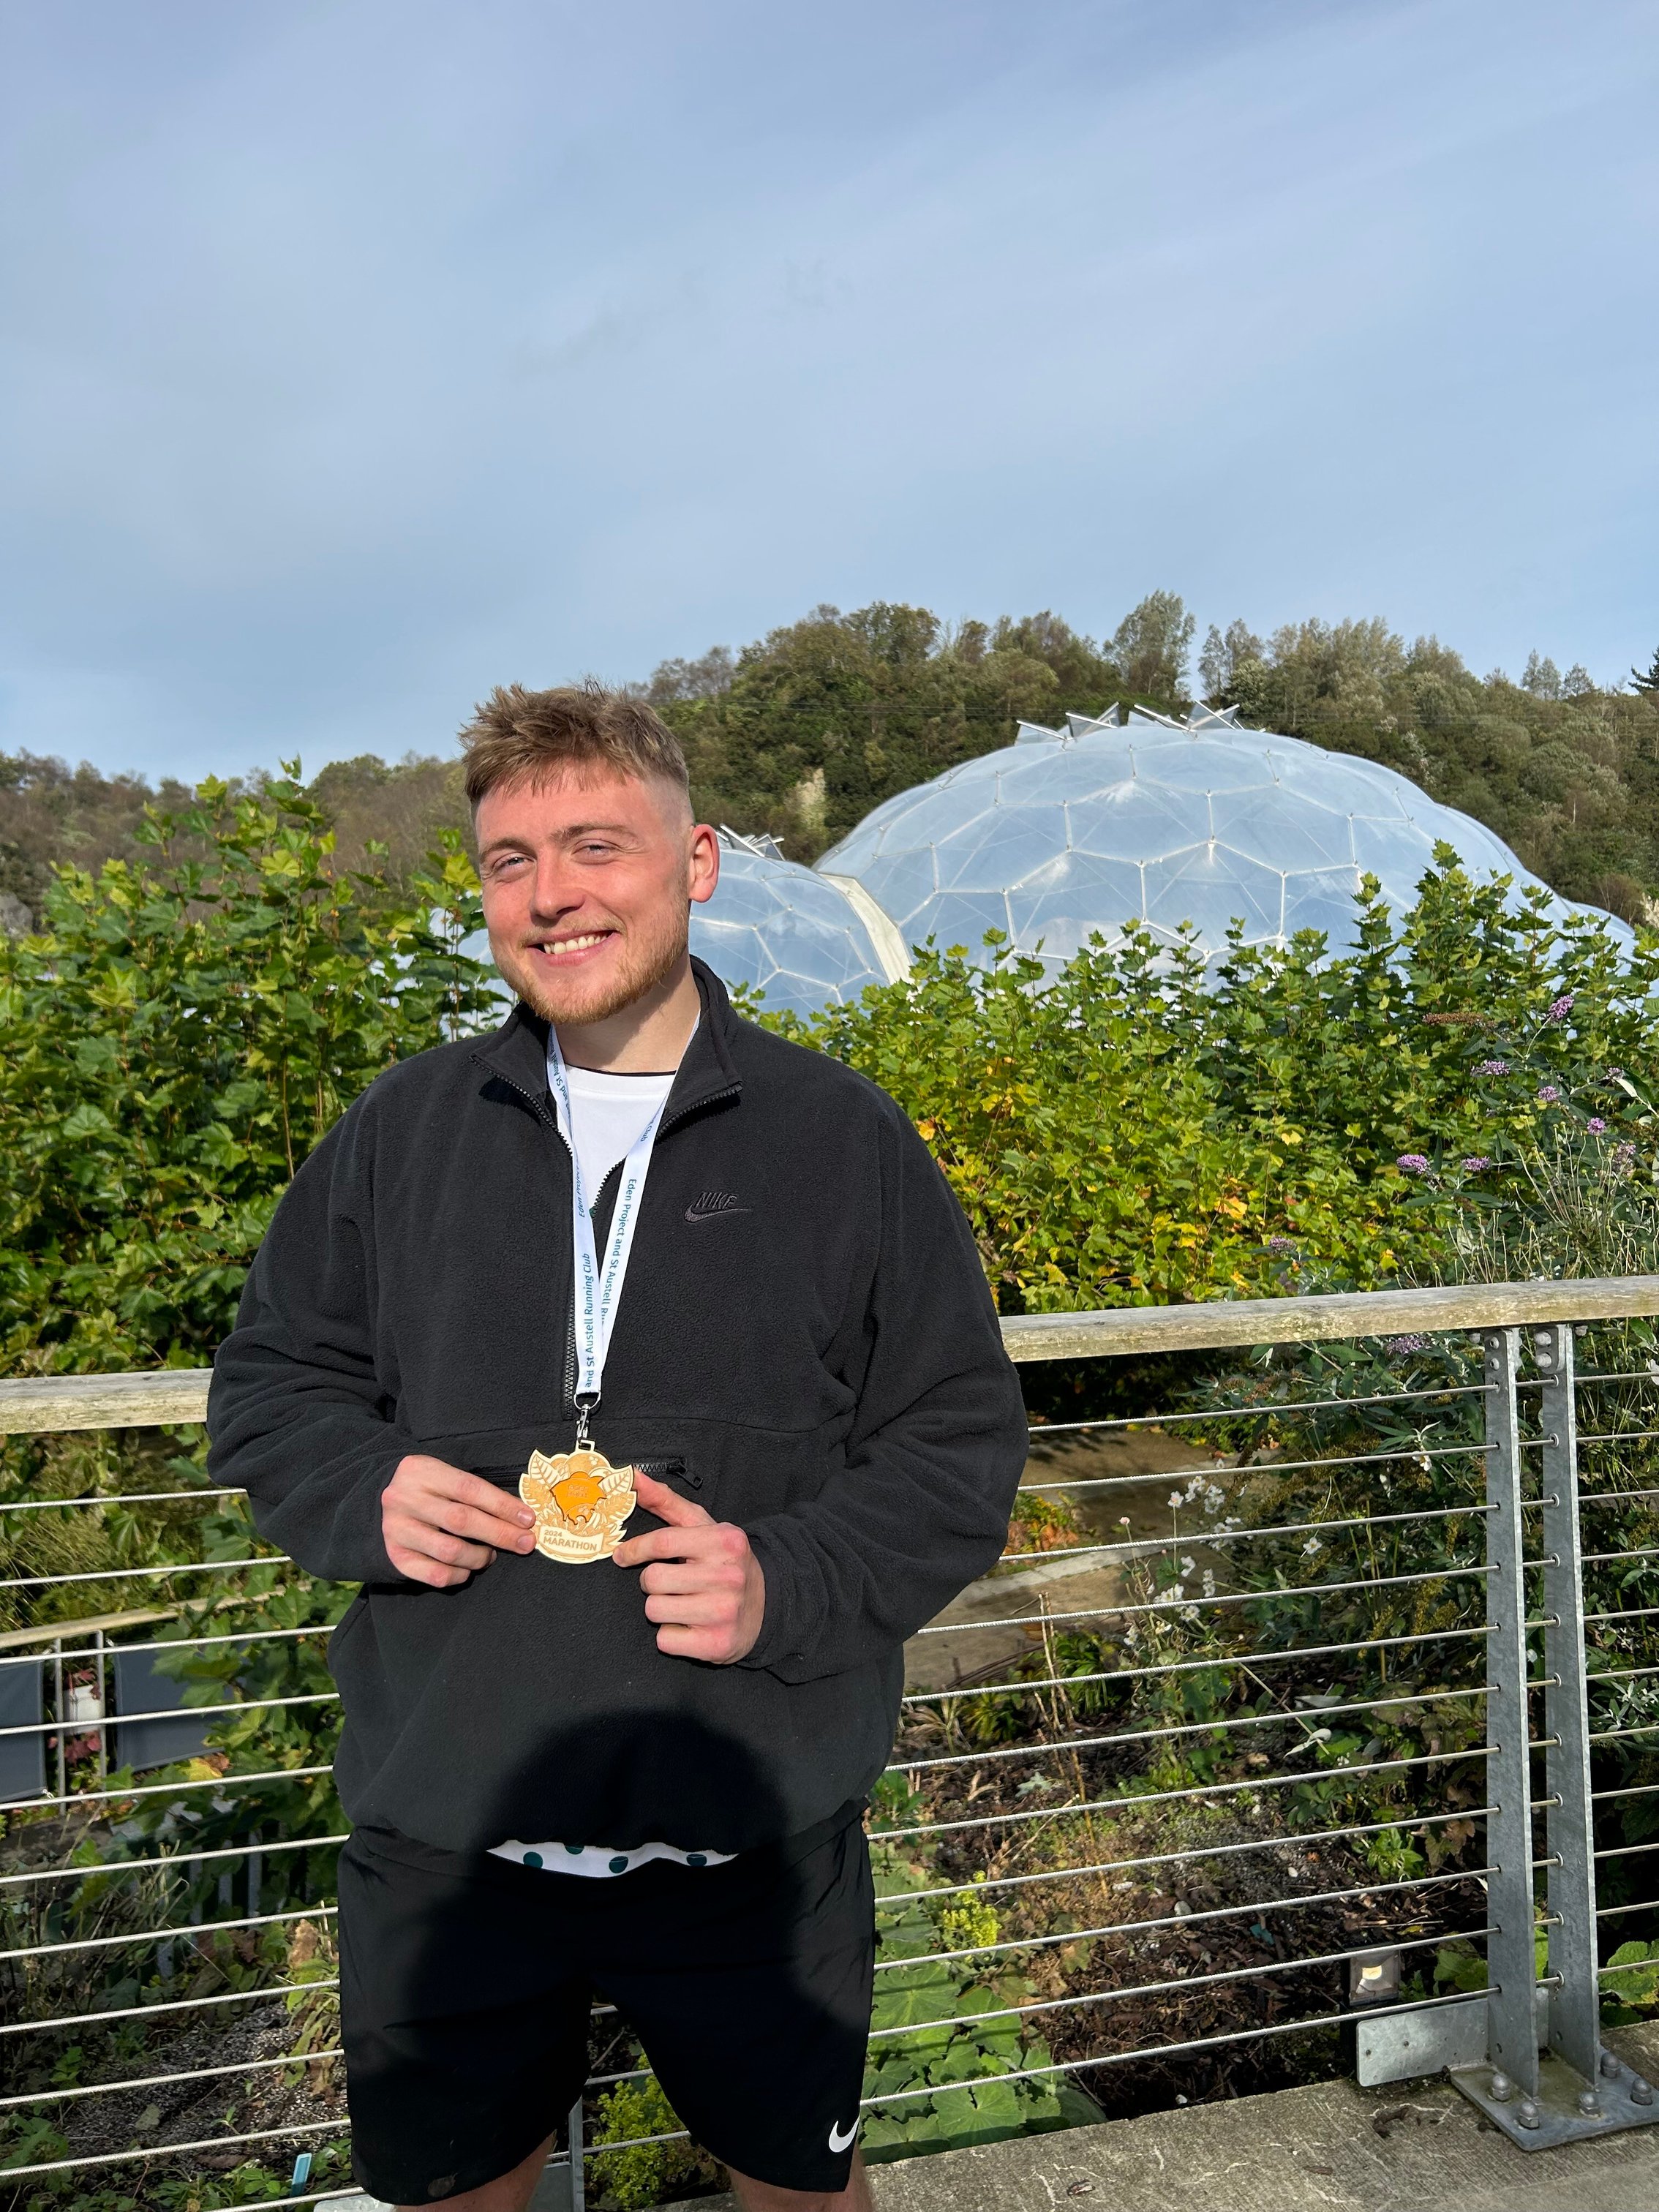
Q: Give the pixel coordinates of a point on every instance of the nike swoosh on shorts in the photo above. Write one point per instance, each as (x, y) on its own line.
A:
(839, 2142)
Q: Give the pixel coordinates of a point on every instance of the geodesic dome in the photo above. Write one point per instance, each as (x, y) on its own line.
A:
(791, 933)
(1070, 832)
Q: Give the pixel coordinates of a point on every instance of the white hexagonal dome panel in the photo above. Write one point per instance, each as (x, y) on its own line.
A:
(1070, 833)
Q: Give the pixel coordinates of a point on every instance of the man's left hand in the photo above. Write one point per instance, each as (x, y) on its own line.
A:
(702, 1584)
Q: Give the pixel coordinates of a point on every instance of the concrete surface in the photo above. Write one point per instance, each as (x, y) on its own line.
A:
(1417, 2147)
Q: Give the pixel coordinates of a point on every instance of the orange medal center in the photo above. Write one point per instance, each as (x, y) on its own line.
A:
(578, 1493)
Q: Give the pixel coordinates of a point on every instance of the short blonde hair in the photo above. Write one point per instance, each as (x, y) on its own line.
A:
(517, 736)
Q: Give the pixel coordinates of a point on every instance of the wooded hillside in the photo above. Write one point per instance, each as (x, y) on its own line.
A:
(802, 731)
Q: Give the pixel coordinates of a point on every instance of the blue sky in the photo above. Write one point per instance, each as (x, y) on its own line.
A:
(354, 357)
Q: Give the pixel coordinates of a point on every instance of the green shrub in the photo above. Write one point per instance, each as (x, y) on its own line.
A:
(172, 1046)
(646, 2173)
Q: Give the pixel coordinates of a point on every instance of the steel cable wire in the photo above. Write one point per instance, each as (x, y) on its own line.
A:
(1150, 1546)
(164, 2005)
(980, 1887)
(1185, 1604)
(170, 1713)
(1364, 1890)
(164, 2081)
(170, 1643)
(181, 1858)
(1267, 1467)
(146, 1574)
(166, 1935)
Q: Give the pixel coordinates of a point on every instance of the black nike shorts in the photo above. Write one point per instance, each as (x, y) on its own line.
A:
(465, 1985)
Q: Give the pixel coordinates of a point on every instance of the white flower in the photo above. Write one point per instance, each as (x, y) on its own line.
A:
(1174, 1501)
(1186, 1566)
(1311, 1547)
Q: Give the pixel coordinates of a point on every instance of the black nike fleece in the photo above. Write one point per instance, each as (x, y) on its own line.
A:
(805, 1345)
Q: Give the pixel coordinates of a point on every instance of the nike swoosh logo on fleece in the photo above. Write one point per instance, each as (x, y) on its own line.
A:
(712, 1205)
(838, 2141)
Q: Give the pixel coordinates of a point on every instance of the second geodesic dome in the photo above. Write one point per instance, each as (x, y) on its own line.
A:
(801, 938)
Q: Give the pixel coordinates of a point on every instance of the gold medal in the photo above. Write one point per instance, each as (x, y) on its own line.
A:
(579, 1501)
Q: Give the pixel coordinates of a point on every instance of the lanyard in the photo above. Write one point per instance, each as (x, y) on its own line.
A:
(597, 1284)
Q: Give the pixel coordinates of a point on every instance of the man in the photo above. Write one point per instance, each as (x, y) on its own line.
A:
(630, 1264)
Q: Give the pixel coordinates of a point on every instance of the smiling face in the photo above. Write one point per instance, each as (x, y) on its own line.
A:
(587, 877)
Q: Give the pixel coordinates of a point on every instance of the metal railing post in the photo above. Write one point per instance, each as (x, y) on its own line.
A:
(578, 2163)
(1576, 2090)
(1511, 2032)
(101, 1692)
(61, 1711)
(1575, 2024)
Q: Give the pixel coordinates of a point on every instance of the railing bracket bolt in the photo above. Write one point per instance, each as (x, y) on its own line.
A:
(1589, 2104)
(1502, 2088)
(1611, 2068)
(1641, 2092)
(1527, 2112)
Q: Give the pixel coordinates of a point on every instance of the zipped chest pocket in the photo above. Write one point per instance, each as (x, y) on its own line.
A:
(660, 1469)
(670, 1470)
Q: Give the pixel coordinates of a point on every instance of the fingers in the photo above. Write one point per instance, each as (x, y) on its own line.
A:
(511, 1535)
(675, 1578)
(415, 1567)
(668, 1505)
(713, 1646)
(703, 1589)
(423, 1484)
(435, 1516)
(711, 1540)
(698, 1609)
(428, 1543)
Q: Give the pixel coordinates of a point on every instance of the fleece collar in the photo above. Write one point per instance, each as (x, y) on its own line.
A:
(517, 1053)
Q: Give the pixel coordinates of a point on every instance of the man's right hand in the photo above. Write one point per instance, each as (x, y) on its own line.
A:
(440, 1525)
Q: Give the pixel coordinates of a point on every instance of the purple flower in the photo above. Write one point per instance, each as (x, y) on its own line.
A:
(1405, 1344)
(1598, 1127)
(1494, 1067)
(1622, 1154)
(1615, 1074)
(1474, 1162)
(1559, 1008)
(1413, 1163)
(1548, 1095)
(1281, 1243)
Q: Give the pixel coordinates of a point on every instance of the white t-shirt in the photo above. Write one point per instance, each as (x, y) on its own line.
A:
(608, 1114)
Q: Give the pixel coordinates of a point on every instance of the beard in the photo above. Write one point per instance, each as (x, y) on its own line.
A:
(644, 958)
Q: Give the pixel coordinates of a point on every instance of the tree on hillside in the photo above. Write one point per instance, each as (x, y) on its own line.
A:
(1647, 683)
(807, 730)
(1224, 652)
(51, 813)
(1150, 645)
(804, 730)
(403, 810)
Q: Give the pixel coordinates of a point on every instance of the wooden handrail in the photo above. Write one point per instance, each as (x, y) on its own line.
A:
(163, 1396)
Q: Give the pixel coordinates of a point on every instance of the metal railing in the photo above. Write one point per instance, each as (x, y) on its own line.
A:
(1284, 1772)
